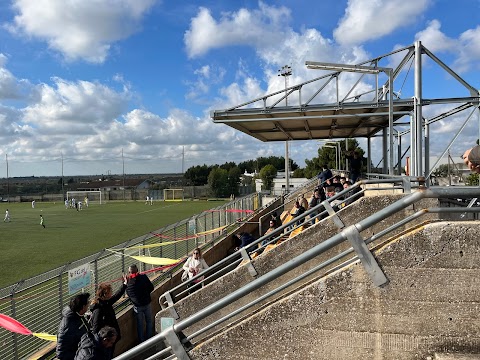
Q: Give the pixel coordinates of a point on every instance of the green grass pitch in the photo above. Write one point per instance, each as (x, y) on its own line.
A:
(27, 249)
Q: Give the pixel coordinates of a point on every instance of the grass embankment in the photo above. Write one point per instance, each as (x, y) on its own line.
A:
(27, 249)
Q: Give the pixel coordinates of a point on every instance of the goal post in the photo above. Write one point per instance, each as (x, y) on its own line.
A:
(93, 196)
(173, 194)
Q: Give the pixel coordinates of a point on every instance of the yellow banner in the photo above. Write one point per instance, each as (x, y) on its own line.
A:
(155, 260)
(45, 336)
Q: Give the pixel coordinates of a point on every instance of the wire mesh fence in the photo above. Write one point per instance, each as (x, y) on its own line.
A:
(37, 302)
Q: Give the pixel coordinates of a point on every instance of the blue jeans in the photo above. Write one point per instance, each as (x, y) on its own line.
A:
(141, 313)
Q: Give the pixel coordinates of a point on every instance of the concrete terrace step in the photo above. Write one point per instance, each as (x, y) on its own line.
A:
(442, 356)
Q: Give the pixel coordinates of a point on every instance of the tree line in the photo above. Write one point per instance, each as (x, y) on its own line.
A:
(225, 180)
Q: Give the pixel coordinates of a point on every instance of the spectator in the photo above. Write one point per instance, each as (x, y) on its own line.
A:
(72, 327)
(244, 239)
(303, 201)
(97, 346)
(194, 265)
(355, 166)
(471, 157)
(139, 288)
(272, 227)
(298, 210)
(324, 175)
(102, 310)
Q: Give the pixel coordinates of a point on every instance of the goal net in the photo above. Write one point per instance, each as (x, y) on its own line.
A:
(86, 197)
(173, 194)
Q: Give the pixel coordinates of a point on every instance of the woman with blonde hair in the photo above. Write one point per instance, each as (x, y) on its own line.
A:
(194, 265)
(102, 310)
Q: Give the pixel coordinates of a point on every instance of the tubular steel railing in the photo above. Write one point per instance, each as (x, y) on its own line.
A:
(177, 346)
(37, 302)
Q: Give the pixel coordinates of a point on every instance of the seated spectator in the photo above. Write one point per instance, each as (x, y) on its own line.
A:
(303, 201)
(244, 239)
(96, 346)
(337, 184)
(72, 327)
(272, 227)
(330, 191)
(298, 210)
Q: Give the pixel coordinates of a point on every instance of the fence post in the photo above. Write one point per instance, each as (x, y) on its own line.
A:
(12, 305)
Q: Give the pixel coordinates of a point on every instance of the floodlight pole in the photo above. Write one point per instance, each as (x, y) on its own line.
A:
(286, 71)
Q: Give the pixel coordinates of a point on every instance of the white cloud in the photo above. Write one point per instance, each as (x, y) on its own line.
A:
(469, 54)
(244, 27)
(435, 40)
(10, 86)
(372, 19)
(79, 29)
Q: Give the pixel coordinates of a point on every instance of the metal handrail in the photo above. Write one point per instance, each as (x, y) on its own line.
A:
(449, 192)
(167, 298)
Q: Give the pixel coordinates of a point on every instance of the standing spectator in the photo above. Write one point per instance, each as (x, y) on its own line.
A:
(97, 346)
(471, 158)
(42, 222)
(72, 327)
(195, 264)
(355, 166)
(139, 288)
(102, 310)
(7, 216)
(324, 175)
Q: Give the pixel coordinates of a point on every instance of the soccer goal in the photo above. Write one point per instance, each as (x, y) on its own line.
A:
(173, 194)
(86, 197)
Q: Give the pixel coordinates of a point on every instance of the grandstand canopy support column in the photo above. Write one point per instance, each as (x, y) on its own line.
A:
(369, 155)
(385, 151)
(399, 153)
(418, 109)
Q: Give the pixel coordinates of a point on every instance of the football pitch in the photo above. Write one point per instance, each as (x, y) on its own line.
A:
(27, 249)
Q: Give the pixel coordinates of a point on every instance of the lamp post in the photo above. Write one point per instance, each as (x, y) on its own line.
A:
(286, 71)
(338, 152)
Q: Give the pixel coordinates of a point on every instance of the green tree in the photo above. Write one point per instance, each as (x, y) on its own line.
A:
(472, 180)
(327, 155)
(218, 182)
(299, 173)
(277, 161)
(197, 175)
(267, 174)
(234, 175)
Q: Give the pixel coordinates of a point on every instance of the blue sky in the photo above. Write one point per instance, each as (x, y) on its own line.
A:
(86, 79)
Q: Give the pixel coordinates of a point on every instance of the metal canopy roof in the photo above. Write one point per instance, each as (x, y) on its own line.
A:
(327, 121)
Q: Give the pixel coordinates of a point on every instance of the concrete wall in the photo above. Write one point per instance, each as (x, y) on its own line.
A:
(284, 252)
(430, 305)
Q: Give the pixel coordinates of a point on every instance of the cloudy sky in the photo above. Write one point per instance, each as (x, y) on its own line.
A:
(85, 80)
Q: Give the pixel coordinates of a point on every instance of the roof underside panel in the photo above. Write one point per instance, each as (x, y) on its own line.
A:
(318, 122)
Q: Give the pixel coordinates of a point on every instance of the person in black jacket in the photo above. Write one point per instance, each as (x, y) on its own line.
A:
(139, 288)
(102, 310)
(72, 327)
(97, 346)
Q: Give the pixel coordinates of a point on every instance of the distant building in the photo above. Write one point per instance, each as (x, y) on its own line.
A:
(117, 184)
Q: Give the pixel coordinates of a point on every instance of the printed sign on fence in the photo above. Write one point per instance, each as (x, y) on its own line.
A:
(192, 226)
(78, 278)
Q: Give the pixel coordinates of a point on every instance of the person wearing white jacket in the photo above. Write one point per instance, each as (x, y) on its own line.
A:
(195, 264)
